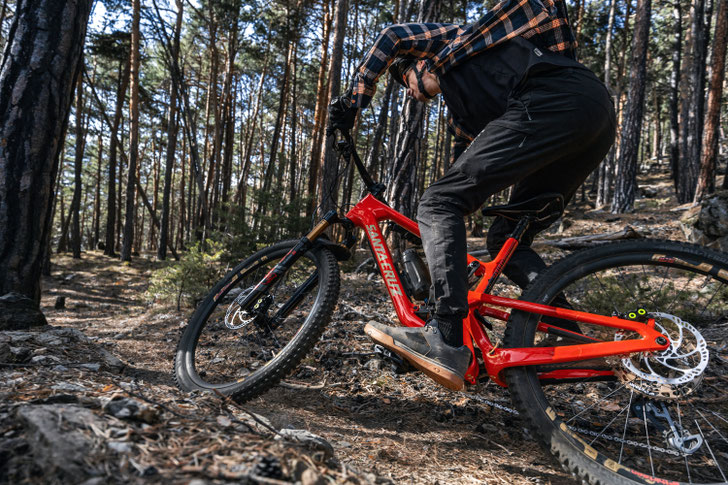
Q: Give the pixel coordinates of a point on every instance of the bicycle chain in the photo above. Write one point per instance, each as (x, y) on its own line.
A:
(576, 429)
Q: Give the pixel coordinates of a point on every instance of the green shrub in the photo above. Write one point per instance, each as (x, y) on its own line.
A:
(190, 278)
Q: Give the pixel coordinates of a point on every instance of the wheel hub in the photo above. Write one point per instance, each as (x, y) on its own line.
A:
(236, 317)
(673, 372)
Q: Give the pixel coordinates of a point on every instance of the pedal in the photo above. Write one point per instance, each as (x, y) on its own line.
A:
(397, 363)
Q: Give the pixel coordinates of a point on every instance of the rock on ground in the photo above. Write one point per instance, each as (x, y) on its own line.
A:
(59, 447)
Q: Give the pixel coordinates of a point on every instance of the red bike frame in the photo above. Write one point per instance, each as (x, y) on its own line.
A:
(369, 212)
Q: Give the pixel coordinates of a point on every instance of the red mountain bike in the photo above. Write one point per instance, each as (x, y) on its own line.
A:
(635, 389)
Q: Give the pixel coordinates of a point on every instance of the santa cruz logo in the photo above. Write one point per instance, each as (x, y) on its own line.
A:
(390, 278)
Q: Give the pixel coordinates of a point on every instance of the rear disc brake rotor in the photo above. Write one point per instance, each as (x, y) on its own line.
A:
(673, 372)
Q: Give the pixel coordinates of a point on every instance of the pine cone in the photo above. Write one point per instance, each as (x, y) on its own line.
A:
(268, 467)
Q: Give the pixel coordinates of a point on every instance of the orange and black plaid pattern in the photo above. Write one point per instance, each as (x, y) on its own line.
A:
(444, 46)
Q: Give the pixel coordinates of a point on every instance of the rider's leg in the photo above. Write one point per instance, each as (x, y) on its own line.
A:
(538, 129)
(549, 138)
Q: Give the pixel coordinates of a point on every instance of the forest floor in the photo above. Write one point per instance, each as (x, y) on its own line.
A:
(383, 427)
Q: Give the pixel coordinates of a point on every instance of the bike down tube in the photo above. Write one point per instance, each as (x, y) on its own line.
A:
(498, 359)
(367, 214)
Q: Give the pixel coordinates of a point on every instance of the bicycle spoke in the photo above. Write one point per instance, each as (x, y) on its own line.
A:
(590, 407)
(608, 425)
(711, 425)
(710, 450)
(624, 432)
(647, 434)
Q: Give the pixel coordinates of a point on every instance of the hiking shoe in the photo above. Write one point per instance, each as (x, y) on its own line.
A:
(425, 348)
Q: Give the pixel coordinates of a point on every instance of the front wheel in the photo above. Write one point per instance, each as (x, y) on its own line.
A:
(657, 417)
(242, 352)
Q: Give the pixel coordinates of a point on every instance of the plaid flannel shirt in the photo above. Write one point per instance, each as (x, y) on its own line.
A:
(444, 46)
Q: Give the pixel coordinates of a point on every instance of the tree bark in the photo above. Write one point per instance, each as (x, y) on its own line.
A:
(242, 190)
(675, 93)
(111, 205)
(605, 175)
(37, 74)
(319, 111)
(97, 195)
(626, 183)
(171, 141)
(77, 171)
(402, 173)
(329, 185)
(692, 102)
(706, 178)
(130, 214)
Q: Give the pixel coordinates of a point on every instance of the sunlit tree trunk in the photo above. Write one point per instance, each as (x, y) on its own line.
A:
(111, 204)
(130, 214)
(706, 178)
(319, 111)
(172, 129)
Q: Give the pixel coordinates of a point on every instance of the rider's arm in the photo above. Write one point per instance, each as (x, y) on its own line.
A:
(545, 22)
(416, 41)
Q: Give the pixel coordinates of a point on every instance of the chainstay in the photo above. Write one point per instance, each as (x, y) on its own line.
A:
(577, 429)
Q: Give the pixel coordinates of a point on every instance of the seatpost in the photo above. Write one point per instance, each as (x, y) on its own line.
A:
(521, 228)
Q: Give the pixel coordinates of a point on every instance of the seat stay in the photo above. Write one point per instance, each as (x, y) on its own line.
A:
(497, 359)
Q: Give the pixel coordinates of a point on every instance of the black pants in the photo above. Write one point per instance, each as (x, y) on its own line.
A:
(555, 131)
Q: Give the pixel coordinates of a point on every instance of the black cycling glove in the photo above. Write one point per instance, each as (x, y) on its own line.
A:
(342, 113)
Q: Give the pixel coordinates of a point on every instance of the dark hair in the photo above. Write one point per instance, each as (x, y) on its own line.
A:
(398, 69)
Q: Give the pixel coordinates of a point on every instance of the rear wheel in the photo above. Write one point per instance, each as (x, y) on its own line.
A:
(662, 414)
(242, 352)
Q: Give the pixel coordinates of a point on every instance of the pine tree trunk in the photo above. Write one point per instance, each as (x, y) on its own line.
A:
(319, 111)
(402, 177)
(97, 195)
(242, 190)
(692, 102)
(706, 179)
(626, 183)
(675, 93)
(330, 183)
(77, 171)
(130, 214)
(39, 69)
(111, 205)
(606, 168)
(172, 129)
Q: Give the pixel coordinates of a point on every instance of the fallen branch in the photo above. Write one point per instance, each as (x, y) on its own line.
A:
(295, 385)
(594, 239)
(228, 400)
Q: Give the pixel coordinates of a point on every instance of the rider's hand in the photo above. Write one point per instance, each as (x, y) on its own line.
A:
(341, 113)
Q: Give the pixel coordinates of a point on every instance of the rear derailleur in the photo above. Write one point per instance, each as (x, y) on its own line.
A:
(675, 435)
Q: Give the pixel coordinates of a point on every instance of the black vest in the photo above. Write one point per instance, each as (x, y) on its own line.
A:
(477, 91)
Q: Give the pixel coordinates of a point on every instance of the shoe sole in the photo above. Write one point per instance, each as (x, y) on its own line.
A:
(439, 374)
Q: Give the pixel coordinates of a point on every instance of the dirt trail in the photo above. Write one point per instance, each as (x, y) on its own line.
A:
(400, 427)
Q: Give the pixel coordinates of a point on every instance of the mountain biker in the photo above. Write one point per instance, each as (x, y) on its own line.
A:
(522, 110)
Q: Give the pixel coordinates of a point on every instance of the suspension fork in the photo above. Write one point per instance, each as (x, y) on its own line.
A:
(303, 245)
